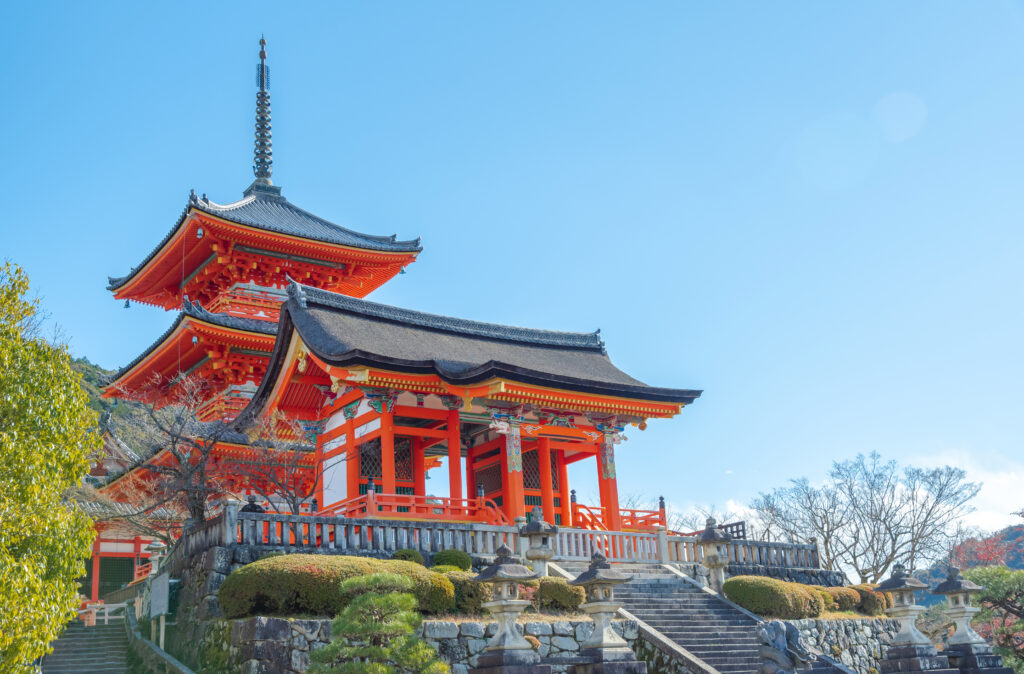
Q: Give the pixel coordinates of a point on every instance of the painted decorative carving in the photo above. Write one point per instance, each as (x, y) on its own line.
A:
(514, 448)
(608, 457)
(350, 410)
(452, 402)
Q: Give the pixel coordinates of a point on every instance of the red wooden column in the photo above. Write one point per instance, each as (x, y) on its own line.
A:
(512, 474)
(454, 455)
(95, 590)
(387, 449)
(470, 474)
(563, 485)
(607, 485)
(351, 450)
(419, 473)
(547, 495)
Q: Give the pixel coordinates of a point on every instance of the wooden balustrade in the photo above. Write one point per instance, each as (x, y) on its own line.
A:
(418, 507)
(387, 534)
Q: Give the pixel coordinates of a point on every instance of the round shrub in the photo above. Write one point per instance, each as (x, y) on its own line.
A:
(826, 596)
(845, 598)
(770, 597)
(871, 602)
(434, 593)
(469, 595)
(814, 602)
(556, 593)
(454, 558)
(290, 585)
(409, 555)
(444, 568)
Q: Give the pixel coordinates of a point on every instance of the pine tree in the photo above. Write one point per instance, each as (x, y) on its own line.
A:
(375, 632)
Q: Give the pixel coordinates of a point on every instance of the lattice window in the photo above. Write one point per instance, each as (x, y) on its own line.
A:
(369, 459)
(403, 459)
(531, 471)
(490, 478)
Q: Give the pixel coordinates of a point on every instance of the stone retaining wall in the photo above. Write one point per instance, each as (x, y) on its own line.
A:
(858, 644)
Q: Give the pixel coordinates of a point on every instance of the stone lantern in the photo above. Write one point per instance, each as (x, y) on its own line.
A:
(967, 649)
(603, 644)
(911, 651)
(156, 551)
(714, 544)
(539, 534)
(507, 650)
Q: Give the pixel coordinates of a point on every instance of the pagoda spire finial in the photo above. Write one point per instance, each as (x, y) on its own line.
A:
(263, 162)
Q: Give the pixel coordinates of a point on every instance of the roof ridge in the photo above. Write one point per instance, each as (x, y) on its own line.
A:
(304, 295)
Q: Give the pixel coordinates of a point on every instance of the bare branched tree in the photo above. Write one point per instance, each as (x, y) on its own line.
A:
(869, 514)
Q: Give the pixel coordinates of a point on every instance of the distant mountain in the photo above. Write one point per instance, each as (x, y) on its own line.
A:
(1008, 543)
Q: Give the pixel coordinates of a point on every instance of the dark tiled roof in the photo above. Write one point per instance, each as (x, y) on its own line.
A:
(347, 331)
(274, 213)
(193, 310)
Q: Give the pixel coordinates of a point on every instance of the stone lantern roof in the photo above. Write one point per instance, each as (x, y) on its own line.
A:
(712, 534)
(901, 581)
(600, 572)
(537, 526)
(955, 583)
(505, 567)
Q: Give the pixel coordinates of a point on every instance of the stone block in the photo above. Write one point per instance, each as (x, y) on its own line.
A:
(440, 629)
(472, 629)
(217, 559)
(460, 669)
(566, 643)
(300, 660)
(492, 629)
(208, 608)
(537, 628)
(450, 650)
(562, 628)
(583, 630)
(474, 646)
(255, 667)
(212, 583)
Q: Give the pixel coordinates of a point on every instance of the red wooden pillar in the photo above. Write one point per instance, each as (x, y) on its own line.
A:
(351, 451)
(607, 485)
(95, 590)
(454, 456)
(563, 485)
(512, 474)
(547, 495)
(387, 449)
(419, 485)
(470, 474)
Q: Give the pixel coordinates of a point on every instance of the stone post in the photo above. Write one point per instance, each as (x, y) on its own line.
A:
(230, 535)
(156, 551)
(519, 523)
(715, 546)
(663, 545)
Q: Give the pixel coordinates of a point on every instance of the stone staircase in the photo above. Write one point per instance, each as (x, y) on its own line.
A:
(101, 649)
(711, 629)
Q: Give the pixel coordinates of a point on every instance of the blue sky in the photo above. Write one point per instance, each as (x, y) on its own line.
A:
(809, 210)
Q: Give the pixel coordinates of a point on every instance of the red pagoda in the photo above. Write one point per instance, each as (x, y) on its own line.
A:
(273, 324)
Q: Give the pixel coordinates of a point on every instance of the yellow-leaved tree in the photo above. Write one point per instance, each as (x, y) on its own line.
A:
(47, 434)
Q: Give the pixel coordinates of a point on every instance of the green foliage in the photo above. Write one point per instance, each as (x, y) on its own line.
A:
(47, 435)
(444, 568)
(773, 597)
(556, 593)
(290, 585)
(871, 602)
(826, 597)
(454, 558)
(433, 591)
(409, 555)
(374, 632)
(469, 594)
(307, 584)
(1002, 617)
(844, 598)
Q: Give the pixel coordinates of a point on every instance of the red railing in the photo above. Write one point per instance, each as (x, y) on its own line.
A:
(142, 571)
(415, 507)
(593, 518)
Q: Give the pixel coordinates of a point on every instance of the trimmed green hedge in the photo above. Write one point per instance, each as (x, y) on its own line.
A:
(469, 595)
(871, 602)
(556, 593)
(309, 584)
(772, 597)
(409, 555)
(444, 568)
(844, 598)
(454, 558)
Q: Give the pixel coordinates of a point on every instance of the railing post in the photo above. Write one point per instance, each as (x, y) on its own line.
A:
(661, 511)
(663, 544)
(229, 535)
